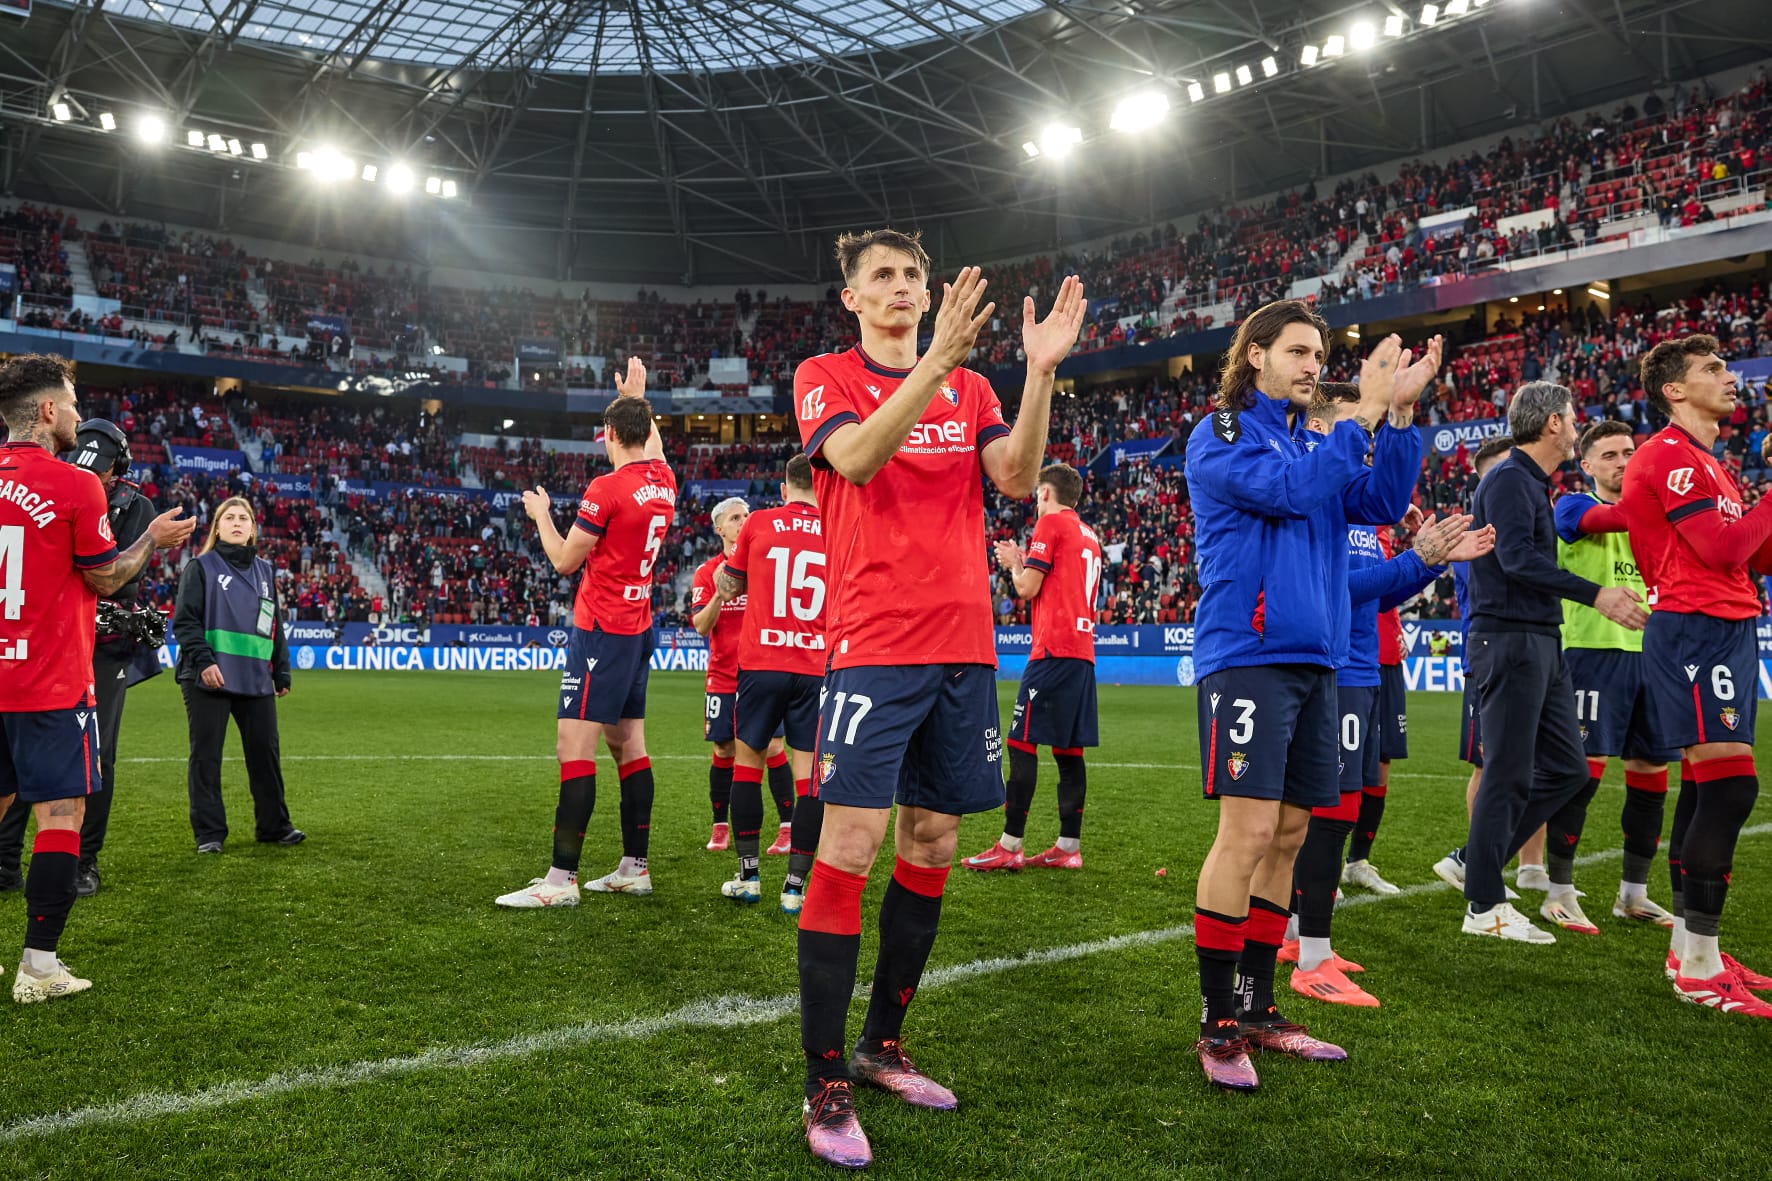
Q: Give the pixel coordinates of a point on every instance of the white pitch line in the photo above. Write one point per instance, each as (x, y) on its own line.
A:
(714, 1012)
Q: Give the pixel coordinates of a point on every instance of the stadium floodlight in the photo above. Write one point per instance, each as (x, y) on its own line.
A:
(1221, 83)
(1558, 291)
(260, 152)
(304, 160)
(234, 148)
(1430, 14)
(194, 138)
(400, 178)
(1308, 57)
(1032, 149)
(107, 121)
(1363, 35)
(1195, 92)
(370, 172)
(1138, 112)
(1598, 294)
(1269, 67)
(1244, 76)
(151, 129)
(1353, 334)
(1335, 46)
(1513, 299)
(61, 111)
(1458, 7)
(1057, 139)
(433, 185)
(217, 143)
(449, 186)
(1393, 26)
(330, 164)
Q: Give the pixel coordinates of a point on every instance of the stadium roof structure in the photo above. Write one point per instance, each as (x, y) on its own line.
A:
(715, 141)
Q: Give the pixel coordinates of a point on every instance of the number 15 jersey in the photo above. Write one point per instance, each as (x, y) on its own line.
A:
(629, 510)
(780, 555)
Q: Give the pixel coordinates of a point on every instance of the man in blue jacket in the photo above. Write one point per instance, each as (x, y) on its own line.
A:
(1270, 529)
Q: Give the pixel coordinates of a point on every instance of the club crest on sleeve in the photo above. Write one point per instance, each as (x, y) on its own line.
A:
(1238, 764)
(1730, 718)
(1226, 425)
(827, 766)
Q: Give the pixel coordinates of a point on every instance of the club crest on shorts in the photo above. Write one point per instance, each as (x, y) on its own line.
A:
(1730, 717)
(827, 766)
(1584, 733)
(1238, 764)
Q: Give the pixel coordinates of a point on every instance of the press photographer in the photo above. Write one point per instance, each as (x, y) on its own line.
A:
(129, 637)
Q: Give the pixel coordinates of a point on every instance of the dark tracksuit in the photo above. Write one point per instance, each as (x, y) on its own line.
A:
(1533, 762)
(130, 513)
(248, 696)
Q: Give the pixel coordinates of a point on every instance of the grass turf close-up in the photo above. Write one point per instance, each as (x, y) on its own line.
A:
(357, 1005)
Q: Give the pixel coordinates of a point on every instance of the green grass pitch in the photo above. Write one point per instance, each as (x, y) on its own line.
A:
(357, 1006)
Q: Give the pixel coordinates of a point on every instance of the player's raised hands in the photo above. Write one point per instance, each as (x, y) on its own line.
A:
(1473, 544)
(537, 503)
(1412, 521)
(1414, 376)
(630, 385)
(1378, 379)
(167, 530)
(1009, 556)
(1435, 540)
(958, 319)
(1049, 341)
(1622, 606)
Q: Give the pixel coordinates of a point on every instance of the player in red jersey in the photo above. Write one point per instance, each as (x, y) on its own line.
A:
(722, 623)
(777, 568)
(898, 445)
(1694, 546)
(1055, 702)
(621, 523)
(1393, 734)
(57, 556)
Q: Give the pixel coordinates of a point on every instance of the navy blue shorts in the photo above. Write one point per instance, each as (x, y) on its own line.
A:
(1470, 725)
(1612, 704)
(924, 735)
(1393, 713)
(718, 717)
(605, 676)
(1360, 741)
(771, 703)
(1702, 678)
(49, 754)
(1268, 732)
(1055, 705)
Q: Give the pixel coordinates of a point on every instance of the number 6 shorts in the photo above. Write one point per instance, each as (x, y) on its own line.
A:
(1271, 732)
(1702, 679)
(925, 736)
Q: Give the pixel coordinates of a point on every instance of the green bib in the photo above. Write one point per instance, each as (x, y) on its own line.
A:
(1604, 558)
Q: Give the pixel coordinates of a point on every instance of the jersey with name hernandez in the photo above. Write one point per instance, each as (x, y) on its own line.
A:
(630, 510)
(1068, 553)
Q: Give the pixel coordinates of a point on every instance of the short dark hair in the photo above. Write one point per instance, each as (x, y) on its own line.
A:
(850, 248)
(628, 421)
(1066, 484)
(1261, 328)
(27, 378)
(1604, 429)
(1328, 395)
(1666, 363)
(1493, 447)
(799, 472)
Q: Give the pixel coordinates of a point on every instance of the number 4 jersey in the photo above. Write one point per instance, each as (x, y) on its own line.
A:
(1068, 553)
(629, 510)
(780, 555)
(53, 525)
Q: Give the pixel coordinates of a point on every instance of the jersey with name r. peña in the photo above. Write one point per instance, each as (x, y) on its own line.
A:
(1669, 479)
(630, 510)
(723, 639)
(1068, 553)
(780, 553)
(54, 523)
(909, 577)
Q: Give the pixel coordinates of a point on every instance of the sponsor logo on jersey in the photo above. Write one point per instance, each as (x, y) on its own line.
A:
(1238, 764)
(827, 767)
(812, 405)
(1679, 481)
(930, 434)
(1730, 718)
(874, 390)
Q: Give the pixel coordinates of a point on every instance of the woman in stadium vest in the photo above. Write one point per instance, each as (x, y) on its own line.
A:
(232, 661)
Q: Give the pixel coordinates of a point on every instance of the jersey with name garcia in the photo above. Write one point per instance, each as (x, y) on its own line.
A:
(1669, 479)
(54, 523)
(780, 554)
(1068, 553)
(630, 511)
(724, 638)
(908, 566)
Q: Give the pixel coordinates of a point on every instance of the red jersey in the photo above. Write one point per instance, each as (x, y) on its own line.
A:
(629, 510)
(723, 640)
(1390, 628)
(53, 524)
(908, 571)
(780, 555)
(1068, 553)
(1668, 480)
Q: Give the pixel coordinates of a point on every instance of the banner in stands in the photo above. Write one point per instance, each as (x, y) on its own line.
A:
(1445, 438)
(1754, 369)
(208, 461)
(715, 489)
(537, 351)
(321, 324)
(1117, 454)
(501, 499)
(288, 486)
(8, 283)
